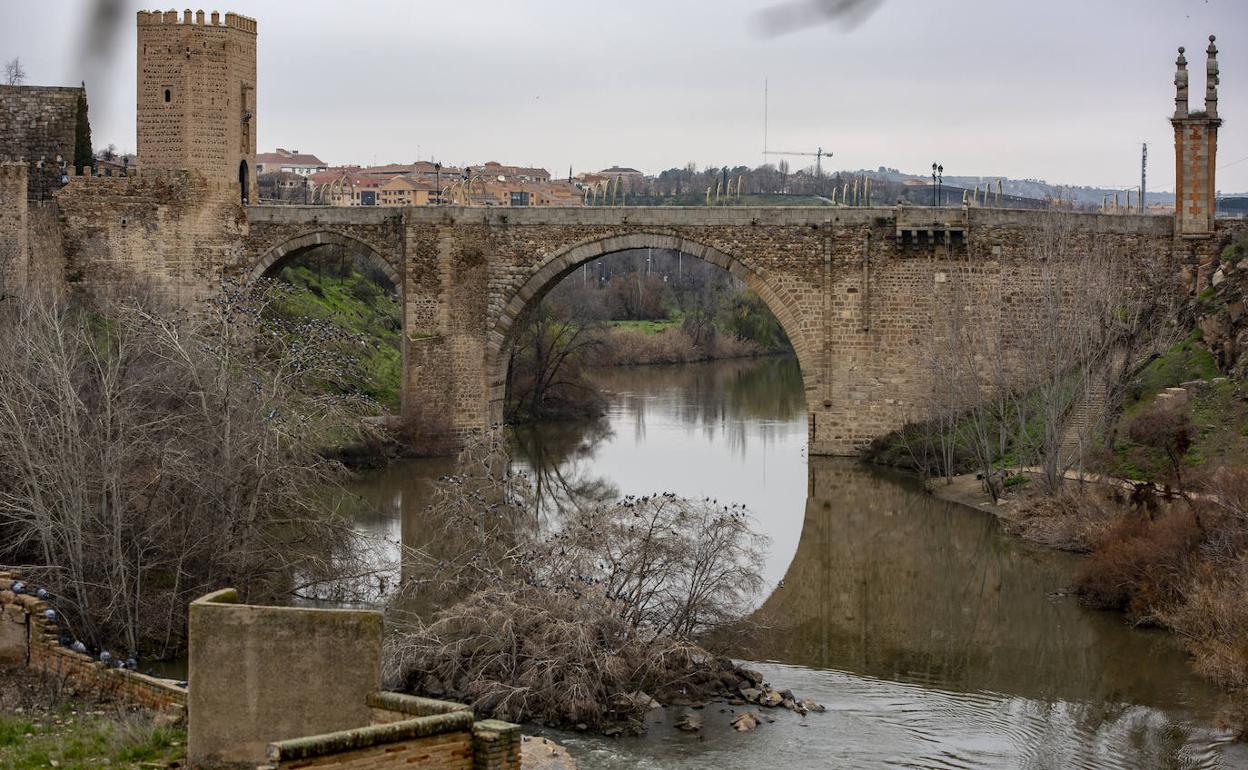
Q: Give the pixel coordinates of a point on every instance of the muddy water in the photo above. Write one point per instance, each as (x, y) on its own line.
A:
(933, 639)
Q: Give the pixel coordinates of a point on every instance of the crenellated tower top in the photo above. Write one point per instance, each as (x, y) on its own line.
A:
(197, 95)
(232, 20)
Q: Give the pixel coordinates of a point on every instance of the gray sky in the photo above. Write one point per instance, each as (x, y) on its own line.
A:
(1061, 90)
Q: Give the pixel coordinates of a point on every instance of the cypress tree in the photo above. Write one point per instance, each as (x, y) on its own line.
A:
(83, 157)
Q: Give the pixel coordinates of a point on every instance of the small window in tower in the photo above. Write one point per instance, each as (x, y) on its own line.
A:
(167, 94)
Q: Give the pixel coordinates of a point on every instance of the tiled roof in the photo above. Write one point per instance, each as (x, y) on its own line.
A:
(287, 158)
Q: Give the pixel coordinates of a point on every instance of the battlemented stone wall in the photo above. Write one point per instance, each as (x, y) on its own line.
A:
(197, 94)
(37, 123)
(172, 230)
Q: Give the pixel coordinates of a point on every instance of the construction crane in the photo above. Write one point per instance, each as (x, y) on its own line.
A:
(818, 155)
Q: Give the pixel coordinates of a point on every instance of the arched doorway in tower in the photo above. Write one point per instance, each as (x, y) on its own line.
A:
(244, 182)
(340, 290)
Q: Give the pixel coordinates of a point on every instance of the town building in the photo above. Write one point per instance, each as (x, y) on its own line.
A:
(290, 161)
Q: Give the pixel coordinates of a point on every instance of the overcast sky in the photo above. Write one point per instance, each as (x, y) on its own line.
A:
(1060, 90)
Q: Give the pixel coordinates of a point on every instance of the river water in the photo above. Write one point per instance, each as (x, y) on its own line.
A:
(934, 640)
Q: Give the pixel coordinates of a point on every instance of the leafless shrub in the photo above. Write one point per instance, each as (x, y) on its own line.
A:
(1074, 519)
(545, 372)
(1168, 430)
(562, 623)
(1141, 564)
(149, 455)
(626, 347)
(1213, 621)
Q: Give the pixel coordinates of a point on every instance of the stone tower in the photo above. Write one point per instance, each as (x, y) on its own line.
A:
(197, 97)
(1195, 151)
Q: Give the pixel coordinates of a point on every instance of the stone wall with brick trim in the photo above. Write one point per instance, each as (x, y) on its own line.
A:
(22, 618)
(407, 732)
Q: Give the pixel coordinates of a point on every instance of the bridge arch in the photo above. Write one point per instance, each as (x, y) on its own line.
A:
(558, 265)
(299, 244)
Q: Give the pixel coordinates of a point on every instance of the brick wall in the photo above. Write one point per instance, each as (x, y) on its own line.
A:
(407, 732)
(40, 649)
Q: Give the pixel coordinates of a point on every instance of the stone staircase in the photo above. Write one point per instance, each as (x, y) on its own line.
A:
(1087, 410)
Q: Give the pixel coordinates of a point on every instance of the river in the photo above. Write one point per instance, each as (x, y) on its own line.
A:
(934, 640)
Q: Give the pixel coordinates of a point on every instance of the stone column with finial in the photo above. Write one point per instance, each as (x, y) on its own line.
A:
(1195, 151)
(1180, 85)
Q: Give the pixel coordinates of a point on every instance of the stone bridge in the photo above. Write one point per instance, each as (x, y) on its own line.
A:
(860, 291)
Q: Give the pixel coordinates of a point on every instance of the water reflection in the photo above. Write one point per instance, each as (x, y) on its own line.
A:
(930, 635)
(890, 582)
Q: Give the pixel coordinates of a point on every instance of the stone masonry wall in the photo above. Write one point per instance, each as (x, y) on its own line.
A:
(172, 230)
(859, 305)
(38, 123)
(196, 94)
(14, 225)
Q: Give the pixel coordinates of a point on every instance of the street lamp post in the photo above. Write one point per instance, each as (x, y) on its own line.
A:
(938, 180)
(437, 183)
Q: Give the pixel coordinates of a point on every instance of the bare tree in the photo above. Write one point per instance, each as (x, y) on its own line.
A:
(1029, 380)
(565, 622)
(14, 73)
(544, 375)
(149, 455)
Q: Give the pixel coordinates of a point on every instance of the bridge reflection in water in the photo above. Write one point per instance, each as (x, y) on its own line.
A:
(931, 635)
(891, 582)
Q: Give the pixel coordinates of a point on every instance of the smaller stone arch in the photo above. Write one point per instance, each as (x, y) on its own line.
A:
(315, 238)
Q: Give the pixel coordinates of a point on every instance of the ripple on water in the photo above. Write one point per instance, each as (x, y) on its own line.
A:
(875, 723)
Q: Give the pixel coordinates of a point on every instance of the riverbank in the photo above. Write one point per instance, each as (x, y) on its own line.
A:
(1172, 563)
(668, 343)
(47, 722)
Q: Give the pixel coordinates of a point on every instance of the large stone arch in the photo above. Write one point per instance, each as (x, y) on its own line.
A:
(311, 239)
(559, 264)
